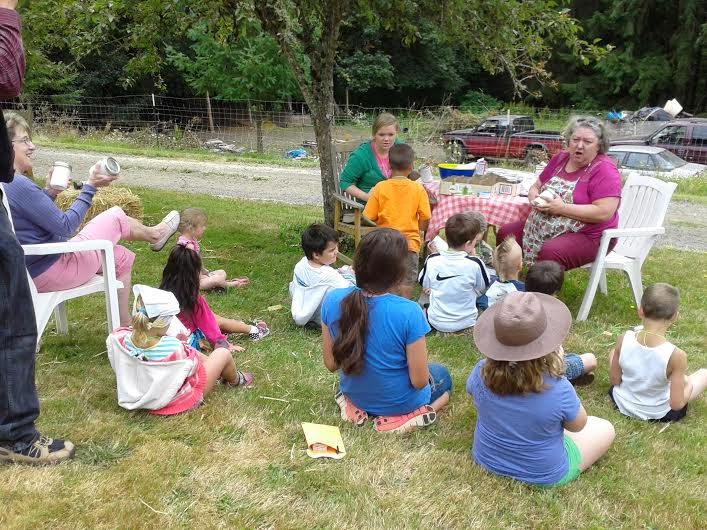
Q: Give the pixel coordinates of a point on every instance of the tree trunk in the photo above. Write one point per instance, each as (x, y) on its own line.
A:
(318, 87)
(321, 119)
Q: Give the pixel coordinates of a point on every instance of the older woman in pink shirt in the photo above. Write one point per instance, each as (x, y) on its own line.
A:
(587, 192)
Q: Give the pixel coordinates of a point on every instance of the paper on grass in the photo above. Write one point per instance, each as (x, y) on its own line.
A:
(323, 441)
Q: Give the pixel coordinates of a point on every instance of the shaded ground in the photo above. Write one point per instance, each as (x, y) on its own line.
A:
(686, 224)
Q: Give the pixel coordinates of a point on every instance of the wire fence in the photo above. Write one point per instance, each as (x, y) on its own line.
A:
(279, 127)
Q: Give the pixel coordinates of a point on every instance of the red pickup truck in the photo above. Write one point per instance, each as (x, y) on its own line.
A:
(687, 138)
(503, 137)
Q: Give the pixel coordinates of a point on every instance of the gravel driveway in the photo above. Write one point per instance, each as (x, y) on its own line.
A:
(686, 223)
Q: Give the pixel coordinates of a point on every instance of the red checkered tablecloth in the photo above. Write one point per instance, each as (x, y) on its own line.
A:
(498, 210)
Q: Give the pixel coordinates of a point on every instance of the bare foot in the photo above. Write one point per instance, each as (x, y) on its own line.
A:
(237, 282)
(235, 348)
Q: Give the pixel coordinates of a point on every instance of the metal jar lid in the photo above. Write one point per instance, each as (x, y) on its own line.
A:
(59, 163)
(111, 165)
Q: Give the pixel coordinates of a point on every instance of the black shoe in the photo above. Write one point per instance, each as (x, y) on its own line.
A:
(41, 451)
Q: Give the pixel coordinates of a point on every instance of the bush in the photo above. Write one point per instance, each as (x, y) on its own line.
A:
(478, 101)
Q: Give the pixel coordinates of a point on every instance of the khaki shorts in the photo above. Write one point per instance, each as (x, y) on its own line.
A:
(413, 265)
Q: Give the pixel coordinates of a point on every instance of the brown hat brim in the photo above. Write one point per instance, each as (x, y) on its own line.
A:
(559, 320)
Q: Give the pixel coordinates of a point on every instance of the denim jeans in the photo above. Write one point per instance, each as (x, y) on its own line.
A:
(19, 406)
(440, 381)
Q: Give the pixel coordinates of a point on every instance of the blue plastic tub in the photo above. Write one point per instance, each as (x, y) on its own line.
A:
(450, 170)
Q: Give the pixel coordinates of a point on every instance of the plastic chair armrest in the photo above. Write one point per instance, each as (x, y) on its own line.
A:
(43, 249)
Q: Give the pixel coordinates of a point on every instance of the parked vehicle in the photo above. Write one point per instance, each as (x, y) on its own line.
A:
(512, 136)
(687, 138)
(653, 162)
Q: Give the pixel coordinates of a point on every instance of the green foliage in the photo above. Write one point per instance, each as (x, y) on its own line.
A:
(479, 101)
(244, 65)
(659, 53)
(362, 72)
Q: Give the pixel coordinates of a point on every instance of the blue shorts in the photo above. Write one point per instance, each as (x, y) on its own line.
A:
(440, 381)
(574, 366)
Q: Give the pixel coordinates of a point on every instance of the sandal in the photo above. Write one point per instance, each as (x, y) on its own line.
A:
(403, 423)
(245, 379)
(349, 411)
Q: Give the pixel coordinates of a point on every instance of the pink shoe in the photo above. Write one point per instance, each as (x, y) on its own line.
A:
(245, 380)
(421, 417)
(349, 411)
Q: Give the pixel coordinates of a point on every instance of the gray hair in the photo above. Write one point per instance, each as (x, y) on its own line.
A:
(591, 123)
(14, 121)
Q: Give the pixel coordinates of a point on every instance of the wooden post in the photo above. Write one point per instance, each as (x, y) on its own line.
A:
(508, 142)
(208, 110)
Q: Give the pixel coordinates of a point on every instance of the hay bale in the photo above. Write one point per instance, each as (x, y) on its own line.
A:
(104, 199)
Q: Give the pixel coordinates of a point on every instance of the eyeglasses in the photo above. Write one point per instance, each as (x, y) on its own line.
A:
(26, 140)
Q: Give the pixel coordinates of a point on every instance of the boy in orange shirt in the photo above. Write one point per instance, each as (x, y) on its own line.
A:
(401, 204)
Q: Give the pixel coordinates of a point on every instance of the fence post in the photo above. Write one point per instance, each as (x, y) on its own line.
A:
(509, 130)
(208, 110)
(156, 117)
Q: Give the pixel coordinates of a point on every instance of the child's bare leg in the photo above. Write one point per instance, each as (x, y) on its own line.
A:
(124, 299)
(214, 280)
(590, 362)
(593, 441)
(219, 364)
(229, 325)
(697, 382)
(440, 402)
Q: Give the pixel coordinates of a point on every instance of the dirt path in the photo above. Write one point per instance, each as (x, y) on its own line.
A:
(686, 224)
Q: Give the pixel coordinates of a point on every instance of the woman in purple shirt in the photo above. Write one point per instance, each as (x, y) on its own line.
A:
(38, 220)
(587, 190)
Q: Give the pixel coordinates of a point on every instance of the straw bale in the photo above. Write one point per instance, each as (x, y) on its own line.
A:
(104, 199)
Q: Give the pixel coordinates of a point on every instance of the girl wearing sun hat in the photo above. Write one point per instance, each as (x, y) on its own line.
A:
(531, 425)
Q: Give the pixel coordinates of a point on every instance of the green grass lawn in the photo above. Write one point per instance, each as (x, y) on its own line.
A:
(239, 461)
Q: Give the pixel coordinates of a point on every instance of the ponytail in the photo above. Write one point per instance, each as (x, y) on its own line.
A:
(141, 325)
(350, 343)
(380, 262)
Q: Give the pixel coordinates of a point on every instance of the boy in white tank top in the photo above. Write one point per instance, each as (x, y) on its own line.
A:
(647, 372)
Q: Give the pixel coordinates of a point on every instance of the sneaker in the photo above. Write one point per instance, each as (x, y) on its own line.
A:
(421, 417)
(262, 332)
(583, 380)
(172, 221)
(41, 451)
(245, 380)
(349, 411)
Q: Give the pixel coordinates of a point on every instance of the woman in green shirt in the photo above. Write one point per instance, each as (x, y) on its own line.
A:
(368, 164)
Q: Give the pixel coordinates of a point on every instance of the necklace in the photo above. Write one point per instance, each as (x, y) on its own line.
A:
(645, 332)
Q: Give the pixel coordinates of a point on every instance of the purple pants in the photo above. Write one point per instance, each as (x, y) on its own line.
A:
(570, 250)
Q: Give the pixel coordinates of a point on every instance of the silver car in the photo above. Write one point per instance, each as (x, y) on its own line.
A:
(653, 162)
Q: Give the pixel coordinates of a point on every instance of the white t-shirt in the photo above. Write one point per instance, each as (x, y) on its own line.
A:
(308, 288)
(455, 280)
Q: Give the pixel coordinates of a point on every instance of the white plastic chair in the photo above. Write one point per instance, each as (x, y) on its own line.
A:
(644, 203)
(46, 303)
